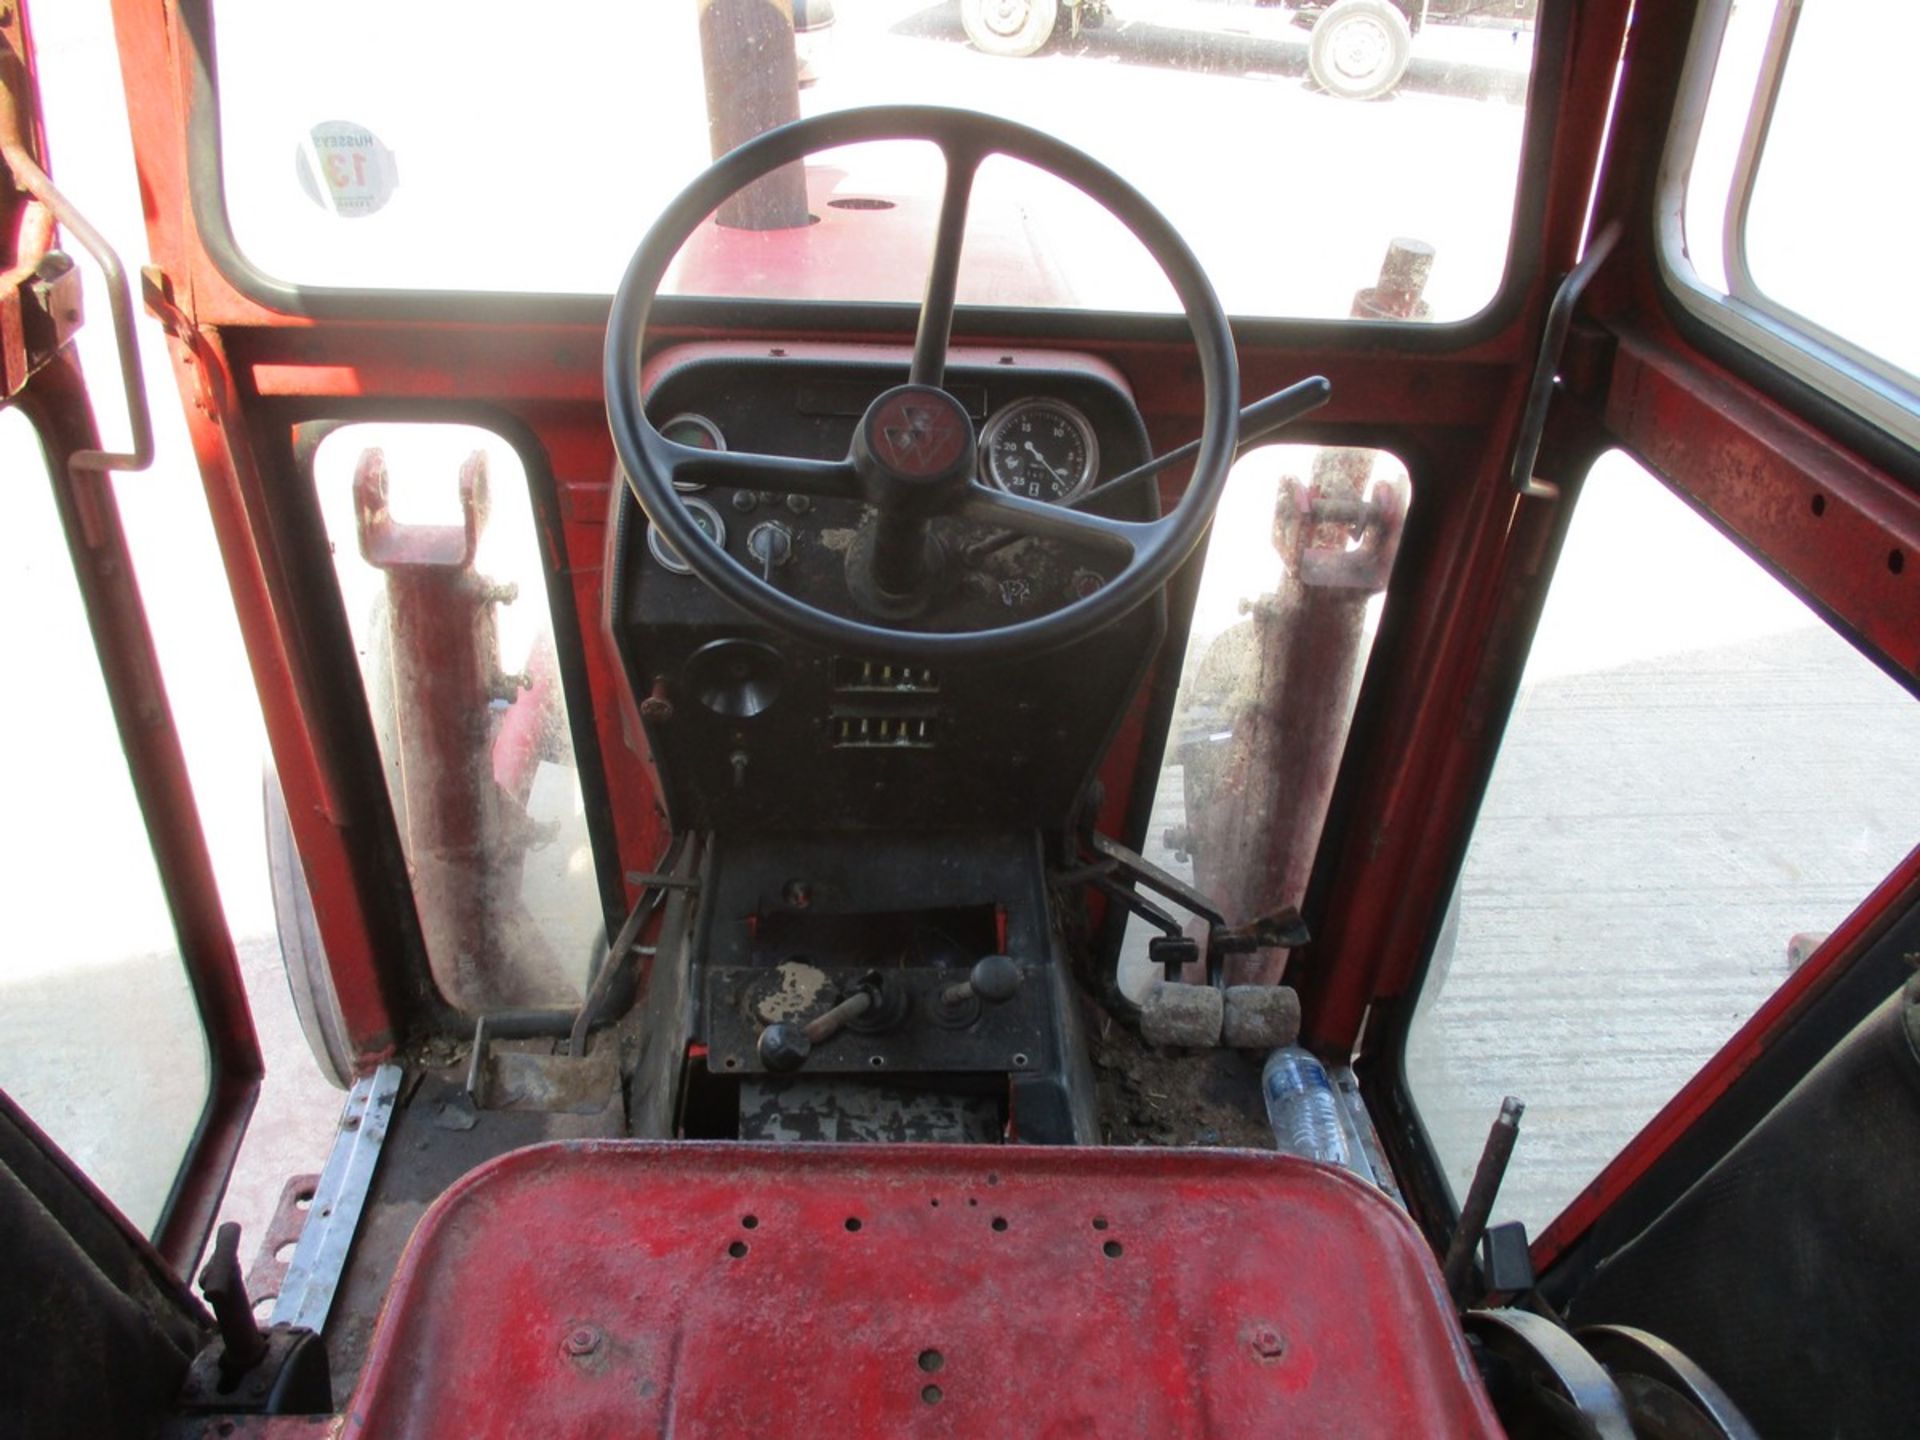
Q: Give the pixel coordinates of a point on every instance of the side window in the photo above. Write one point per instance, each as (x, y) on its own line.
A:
(435, 548)
(100, 1040)
(1700, 781)
(1295, 574)
(1790, 217)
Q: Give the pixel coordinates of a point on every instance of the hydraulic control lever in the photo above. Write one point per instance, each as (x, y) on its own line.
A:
(785, 1046)
(994, 980)
(1122, 873)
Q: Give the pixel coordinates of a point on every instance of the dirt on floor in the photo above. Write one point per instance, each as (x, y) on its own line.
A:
(1154, 1096)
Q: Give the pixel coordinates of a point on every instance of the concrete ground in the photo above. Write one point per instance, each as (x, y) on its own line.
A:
(1679, 795)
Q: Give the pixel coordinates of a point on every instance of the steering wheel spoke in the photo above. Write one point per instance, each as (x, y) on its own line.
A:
(935, 329)
(780, 474)
(1042, 520)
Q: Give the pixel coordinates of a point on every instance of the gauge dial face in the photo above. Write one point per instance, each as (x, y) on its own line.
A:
(1040, 448)
(697, 431)
(710, 523)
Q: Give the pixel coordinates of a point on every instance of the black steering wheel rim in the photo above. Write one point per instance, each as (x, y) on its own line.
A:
(1157, 548)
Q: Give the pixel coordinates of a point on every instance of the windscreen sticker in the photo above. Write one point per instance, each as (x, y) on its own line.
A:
(345, 169)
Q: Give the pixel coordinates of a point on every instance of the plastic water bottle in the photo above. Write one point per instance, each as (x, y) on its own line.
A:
(1302, 1108)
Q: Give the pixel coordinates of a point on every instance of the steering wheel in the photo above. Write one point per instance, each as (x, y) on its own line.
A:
(913, 453)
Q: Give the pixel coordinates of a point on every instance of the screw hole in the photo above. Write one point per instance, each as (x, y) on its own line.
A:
(747, 1222)
(1113, 1248)
(999, 1222)
(737, 1249)
(731, 1063)
(876, 1061)
(1896, 561)
(1818, 505)
(853, 1222)
(993, 1179)
(972, 1201)
(935, 1202)
(1020, 1062)
(930, 1394)
(931, 1360)
(1099, 1222)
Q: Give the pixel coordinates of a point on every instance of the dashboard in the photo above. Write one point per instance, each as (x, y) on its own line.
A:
(750, 728)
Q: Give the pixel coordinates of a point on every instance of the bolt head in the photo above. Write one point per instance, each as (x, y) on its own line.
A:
(1267, 1342)
(582, 1340)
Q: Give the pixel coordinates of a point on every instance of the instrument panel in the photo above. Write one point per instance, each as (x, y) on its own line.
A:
(750, 728)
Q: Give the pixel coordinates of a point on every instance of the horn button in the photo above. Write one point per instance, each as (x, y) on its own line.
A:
(914, 451)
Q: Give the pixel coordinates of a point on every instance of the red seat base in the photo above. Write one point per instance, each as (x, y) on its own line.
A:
(635, 1289)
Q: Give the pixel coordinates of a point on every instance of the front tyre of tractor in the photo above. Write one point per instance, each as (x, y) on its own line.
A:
(1009, 27)
(1359, 49)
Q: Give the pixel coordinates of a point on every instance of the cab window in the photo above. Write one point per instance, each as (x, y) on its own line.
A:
(346, 170)
(1788, 222)
(100, 1039)
(1700, 781)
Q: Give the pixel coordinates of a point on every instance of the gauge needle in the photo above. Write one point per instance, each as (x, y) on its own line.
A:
(1034, 451)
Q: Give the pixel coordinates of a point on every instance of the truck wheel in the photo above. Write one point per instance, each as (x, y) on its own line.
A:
(1360, 49)
(1009, 27)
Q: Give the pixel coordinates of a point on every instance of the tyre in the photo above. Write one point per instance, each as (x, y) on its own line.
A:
(308, 979)
(1360, 49)
(1009, 27)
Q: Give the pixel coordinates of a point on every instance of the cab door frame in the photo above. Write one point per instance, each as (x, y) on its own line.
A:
(46, 383)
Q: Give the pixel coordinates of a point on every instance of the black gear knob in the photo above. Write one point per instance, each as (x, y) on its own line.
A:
(784, 1047)
(993, 980)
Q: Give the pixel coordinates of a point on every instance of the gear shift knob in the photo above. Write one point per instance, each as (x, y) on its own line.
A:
(784, 1046)
(993, 980)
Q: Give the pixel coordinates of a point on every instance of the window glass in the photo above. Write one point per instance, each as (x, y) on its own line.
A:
(100, 1039)
(1792, 203)
(442, 145)
(434, 543)
(1295, 572)
(1830, 223)
(1701, 780)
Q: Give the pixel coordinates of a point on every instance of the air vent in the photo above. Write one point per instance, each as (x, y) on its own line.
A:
(877, 677)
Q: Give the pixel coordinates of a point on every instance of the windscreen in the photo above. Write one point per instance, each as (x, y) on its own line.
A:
(462, 146)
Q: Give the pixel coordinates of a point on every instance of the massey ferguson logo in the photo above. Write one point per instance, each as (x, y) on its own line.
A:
(917, 434)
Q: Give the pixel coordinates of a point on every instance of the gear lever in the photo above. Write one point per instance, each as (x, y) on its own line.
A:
(994, 980)
(785, 1046)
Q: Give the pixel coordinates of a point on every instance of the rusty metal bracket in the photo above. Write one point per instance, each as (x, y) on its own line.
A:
(320, 1256)
(34, 181)
(1533, 421)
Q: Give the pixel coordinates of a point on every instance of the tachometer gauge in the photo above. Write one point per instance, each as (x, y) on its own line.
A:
(697, 431)
(1040, 448)
(709, 521)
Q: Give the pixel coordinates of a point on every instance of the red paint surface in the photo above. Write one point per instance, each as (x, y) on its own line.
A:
(814, 1328)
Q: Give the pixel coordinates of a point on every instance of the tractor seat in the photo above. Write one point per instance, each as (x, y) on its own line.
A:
(640, 1288)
